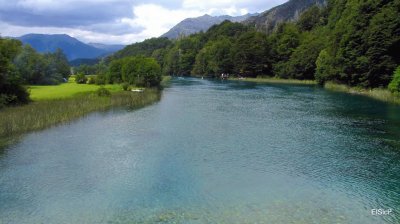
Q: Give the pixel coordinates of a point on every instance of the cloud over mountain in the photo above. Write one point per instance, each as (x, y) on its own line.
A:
(113, 21)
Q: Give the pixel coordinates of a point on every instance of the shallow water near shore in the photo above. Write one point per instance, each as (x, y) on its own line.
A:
(212, 152)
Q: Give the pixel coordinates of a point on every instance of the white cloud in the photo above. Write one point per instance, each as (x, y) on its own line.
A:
(220, 7)
(113, 21)
(207, 4)
(156, 19)
(81, 34)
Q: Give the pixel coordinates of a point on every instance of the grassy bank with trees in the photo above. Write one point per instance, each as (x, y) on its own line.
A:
(34, 97)
(353, 43)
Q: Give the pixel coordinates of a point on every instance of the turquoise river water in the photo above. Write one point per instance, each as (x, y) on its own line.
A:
(212, 152)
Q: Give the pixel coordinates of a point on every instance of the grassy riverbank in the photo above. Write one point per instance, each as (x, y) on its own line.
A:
(276, 80)
(54, 105)
(46, 113)
(379, 93)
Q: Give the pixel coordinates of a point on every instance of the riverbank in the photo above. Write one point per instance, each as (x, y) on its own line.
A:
(38, 115)
(276, 80)
(51, 109)
(379, 93)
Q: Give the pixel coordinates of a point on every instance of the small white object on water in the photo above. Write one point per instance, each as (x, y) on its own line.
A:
(137, 90)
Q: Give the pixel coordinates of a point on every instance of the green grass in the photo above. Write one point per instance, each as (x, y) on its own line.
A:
(277, 80)
(72, 89)
(66, 90)
(378, 93)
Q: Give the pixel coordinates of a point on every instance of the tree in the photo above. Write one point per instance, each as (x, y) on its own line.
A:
(80, 78)
(364, 38)
(226, 29)
(31, 65)
(394, 85)
(284, 42)
(302, 62)
(201, 66)
(187, 51)
(171, 61)
(141, 71)
(57, 68)
(145, 48)
(39, 69)
(251, 54)
(215, 58)
(311, 18)
(114, 74)
(60, 62)
(11, 89)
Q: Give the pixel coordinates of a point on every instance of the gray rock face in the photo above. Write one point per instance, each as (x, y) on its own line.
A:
(289, 11)
(202, 23)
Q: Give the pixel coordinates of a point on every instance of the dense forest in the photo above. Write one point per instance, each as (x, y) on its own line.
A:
(352, 42)
(22, 65)
(348, 41)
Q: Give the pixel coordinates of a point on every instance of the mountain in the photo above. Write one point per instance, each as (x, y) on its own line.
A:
(84, 61)
(145, 48)
(289, 11)
(107, 47)
(202, 23)
(71, 47)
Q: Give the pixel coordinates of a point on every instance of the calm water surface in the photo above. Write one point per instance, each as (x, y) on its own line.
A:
(212, 152)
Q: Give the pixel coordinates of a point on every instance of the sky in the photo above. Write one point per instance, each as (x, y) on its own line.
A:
(113, 21)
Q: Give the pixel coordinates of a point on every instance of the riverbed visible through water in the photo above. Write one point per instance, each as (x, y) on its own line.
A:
(212, 152)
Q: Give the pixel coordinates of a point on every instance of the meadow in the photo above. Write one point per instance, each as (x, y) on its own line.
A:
(66, 90)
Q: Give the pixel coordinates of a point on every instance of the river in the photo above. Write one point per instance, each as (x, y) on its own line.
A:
(212, 152)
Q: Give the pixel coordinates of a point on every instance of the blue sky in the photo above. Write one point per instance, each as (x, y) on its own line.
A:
(113, 21)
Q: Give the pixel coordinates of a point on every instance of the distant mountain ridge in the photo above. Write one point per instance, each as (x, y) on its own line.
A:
(203, 23)
(107, 47)
(72, 47)
(289, 11)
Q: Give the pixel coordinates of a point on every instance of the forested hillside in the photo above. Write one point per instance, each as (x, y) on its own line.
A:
(348, 41)
(145, 48)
